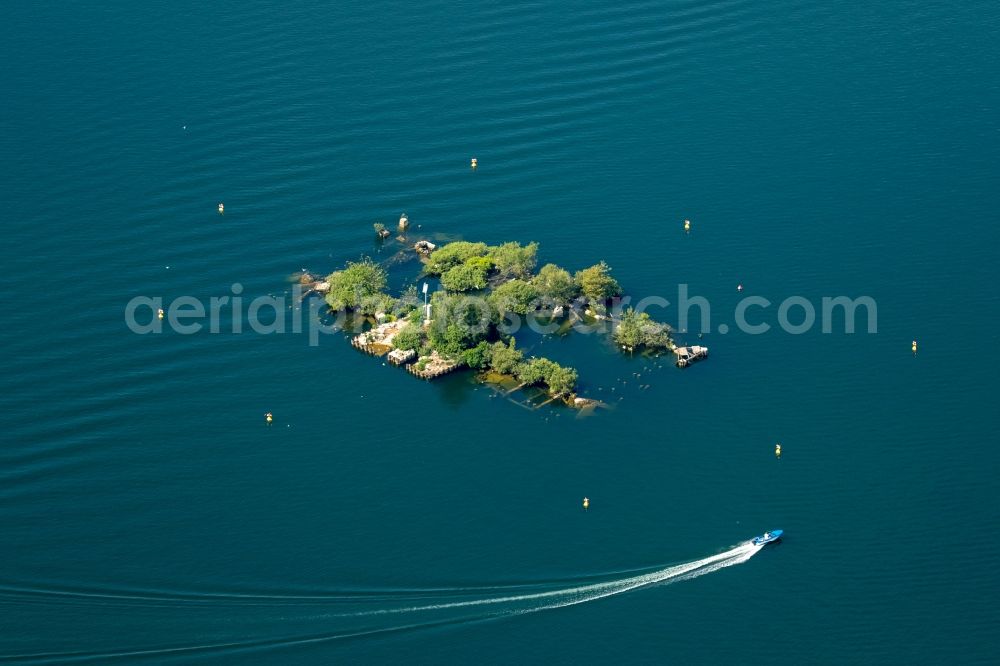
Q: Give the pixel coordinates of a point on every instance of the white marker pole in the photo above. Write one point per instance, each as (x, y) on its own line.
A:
(427, 308)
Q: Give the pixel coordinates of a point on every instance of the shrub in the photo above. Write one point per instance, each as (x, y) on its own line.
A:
(639, 330)
(453, 254)
(478, 357)
(375, 303)
(597, 284)
(556, 284)
(514, 296)
(356, 282)
(505, 358)
(513, 260)
(409, 338)
(465, 277)
(459, 322)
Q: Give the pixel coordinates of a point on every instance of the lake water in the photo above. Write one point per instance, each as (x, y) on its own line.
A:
(149, 513)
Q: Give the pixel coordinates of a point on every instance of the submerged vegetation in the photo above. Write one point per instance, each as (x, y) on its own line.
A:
(482, 288)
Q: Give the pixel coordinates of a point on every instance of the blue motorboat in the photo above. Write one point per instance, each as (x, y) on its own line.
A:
(767, 537)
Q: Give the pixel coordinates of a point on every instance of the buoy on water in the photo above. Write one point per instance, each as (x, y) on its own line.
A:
(777, 450)
(403, 221)
(474, 163)
(914, 346)
(687, 225)
(268, 417)
(222, 209)
(159, 313)
(586, 502)
(739, 287)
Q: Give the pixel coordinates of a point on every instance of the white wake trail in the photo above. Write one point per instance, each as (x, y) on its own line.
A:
(537, 601)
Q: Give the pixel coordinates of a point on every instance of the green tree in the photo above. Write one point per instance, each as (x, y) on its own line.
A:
(504, 358)
(514, 296)
(409, 338)
(533, 371)
(478, 357)
(453, 254)
(376, 303)
(561, 380)
(556, 284)
(355, 283)
(639, 330)
(628, 332)
(597, 284)
(465, 277)
(513, 260)
(459, 322)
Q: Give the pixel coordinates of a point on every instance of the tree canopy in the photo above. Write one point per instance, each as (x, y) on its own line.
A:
(515, 260)
(504, 358)
(515, 296)
(557, 378)
(410, 337)
(469, 276)
(639, 330)
(453, 254)
(555, 284)
(459, 322)
(357, 283)
(597, 284)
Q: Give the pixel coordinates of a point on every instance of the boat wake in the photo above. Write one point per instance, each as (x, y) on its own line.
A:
(561, 597)
(386, 612)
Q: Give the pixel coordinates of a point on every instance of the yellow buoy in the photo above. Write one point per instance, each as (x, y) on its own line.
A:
(159, 313)
(475, 163)
(687, 225)
(586, 502)
(777, 450)
(268, 417)
(222, 209)
(914, 346)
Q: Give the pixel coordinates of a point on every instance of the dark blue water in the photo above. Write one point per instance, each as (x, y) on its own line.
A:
(147, 512)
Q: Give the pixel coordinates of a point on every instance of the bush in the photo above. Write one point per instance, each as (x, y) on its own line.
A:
(532, 372)
(543, 371)
(639, 330)
(505, 358)
(597, 284)
(514, 296)
(513, 260)
(355, 283)
(409, 338)
(478, 357)
(453, 254)
(375, 303)
(628, 332)
(561, 380)
(465, 277)
(555, 284)
(459, 322)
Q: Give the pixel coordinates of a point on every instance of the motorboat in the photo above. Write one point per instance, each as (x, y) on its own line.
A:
(767, 537)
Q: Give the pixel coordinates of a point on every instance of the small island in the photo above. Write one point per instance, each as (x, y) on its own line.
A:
(465, 322)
